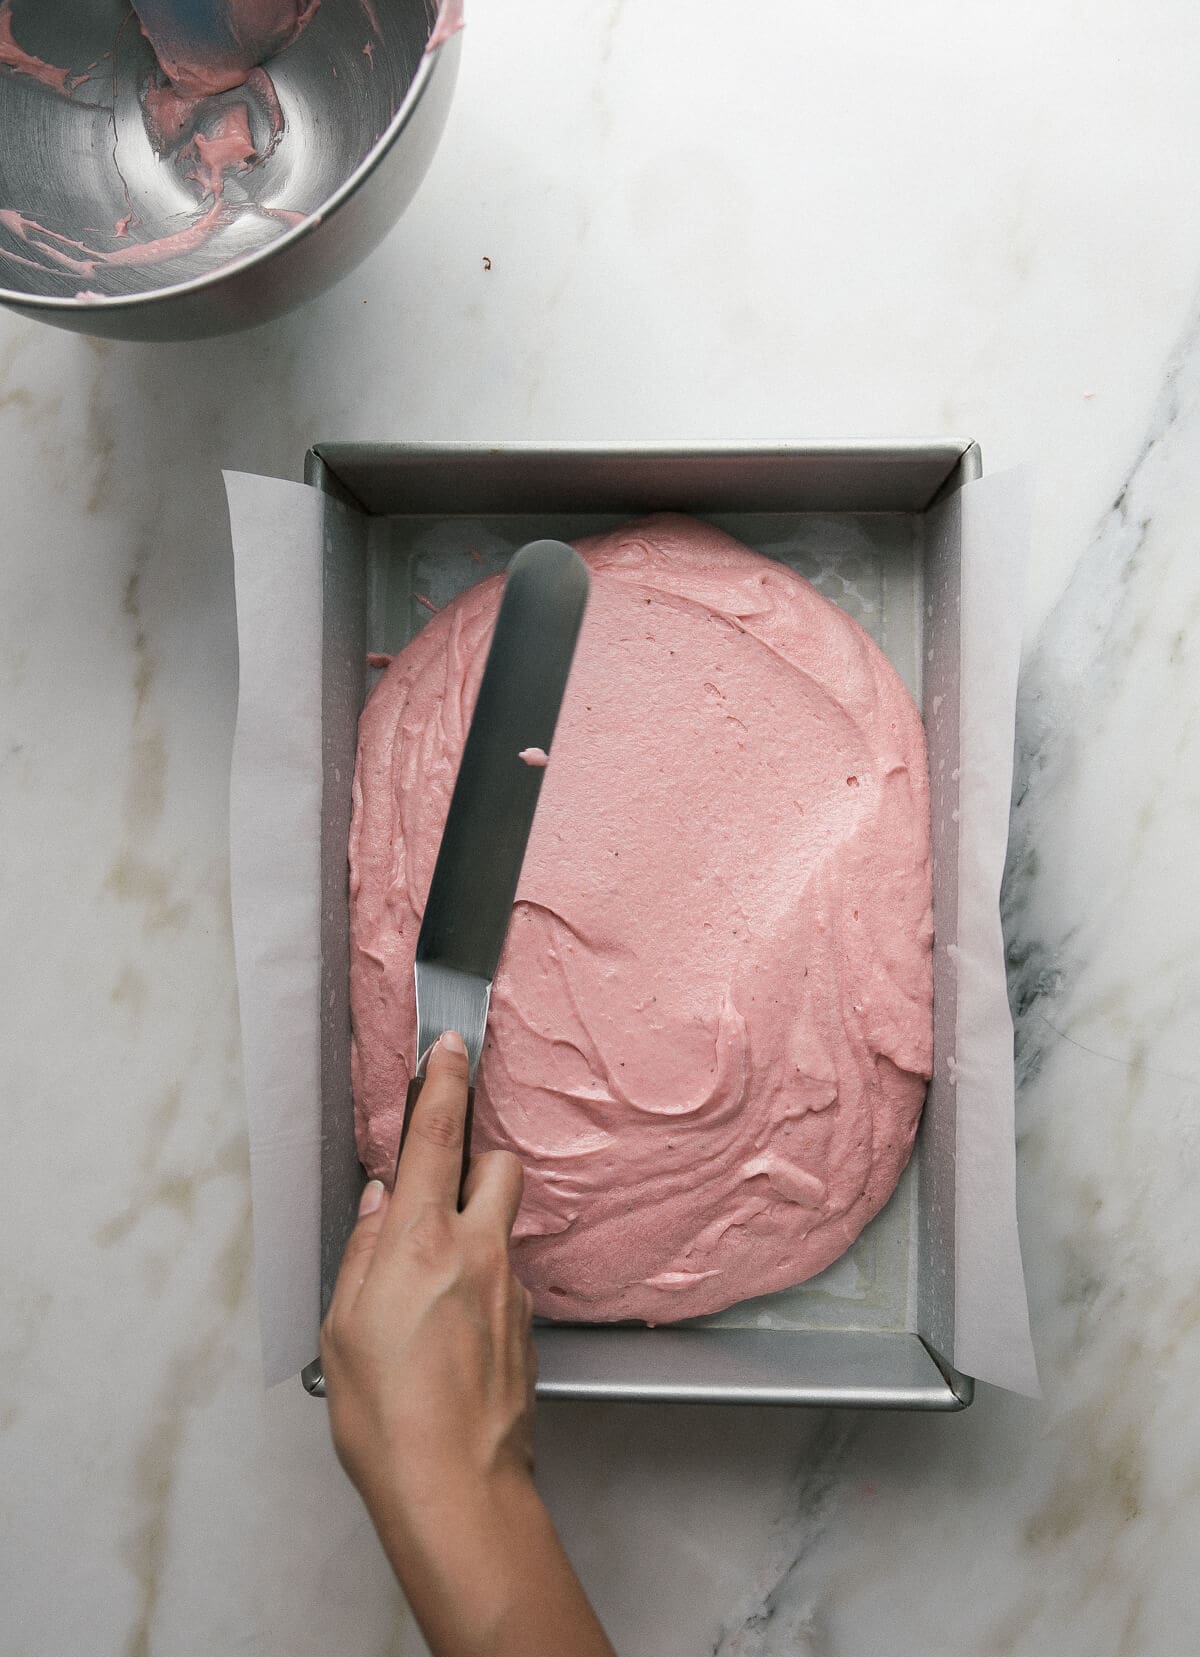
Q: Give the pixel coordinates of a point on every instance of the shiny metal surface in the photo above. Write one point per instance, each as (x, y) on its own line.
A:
(848, 1369)
(495, 794)
(343, 689)
(363, 113)
(596, 477)
(392, 486)
(450, 1000)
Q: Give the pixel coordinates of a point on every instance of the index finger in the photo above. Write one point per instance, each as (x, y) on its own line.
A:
(430, 1165)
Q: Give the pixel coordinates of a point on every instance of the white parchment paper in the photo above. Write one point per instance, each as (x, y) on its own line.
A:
(991, 1328)
(275, 881)
(275, 862)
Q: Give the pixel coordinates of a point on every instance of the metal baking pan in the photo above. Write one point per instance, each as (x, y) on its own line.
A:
(876, 526)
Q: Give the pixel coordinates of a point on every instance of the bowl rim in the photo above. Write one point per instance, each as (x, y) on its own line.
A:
(291, 236)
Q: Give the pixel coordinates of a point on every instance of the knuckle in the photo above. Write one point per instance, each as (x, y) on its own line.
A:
(501, 1173)
(502, 1162)
(358, 1244)
(439, 1125)
(429, 1232)
(483, 1164)
(329, 1343)
(355, 1258)
(512, 1169)
(491, 1260)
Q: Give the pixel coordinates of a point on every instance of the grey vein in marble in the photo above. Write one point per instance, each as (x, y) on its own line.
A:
(779, 1614)
(1083, 660)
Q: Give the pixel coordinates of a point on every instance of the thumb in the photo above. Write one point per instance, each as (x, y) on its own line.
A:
(360, 1249)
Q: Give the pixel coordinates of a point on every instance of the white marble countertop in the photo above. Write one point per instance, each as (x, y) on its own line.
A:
(977, 220)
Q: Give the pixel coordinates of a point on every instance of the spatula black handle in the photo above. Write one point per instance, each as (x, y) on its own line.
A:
(414, 1093)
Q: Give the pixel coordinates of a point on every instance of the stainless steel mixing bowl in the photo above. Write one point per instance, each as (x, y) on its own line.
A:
(363, 105)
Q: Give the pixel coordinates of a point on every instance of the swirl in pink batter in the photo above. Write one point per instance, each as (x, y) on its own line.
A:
(712, 1023)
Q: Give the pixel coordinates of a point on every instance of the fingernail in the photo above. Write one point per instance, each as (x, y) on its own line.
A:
(452, 1042)
(371, 1198)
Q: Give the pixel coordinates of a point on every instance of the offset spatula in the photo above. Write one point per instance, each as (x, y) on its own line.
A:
(491, 812)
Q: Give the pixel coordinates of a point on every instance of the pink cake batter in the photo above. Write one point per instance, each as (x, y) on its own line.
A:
(711, 1027)
(449, 22)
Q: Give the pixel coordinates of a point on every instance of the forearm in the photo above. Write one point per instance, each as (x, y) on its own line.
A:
(485, 1573)
(429, 1370)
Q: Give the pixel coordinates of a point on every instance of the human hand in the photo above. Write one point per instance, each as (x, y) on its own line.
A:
(429, 1372)
(427, 1347)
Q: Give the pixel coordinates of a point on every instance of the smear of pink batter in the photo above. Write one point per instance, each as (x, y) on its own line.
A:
(711, 1026)
(536, 757)
(172, 115)
(228, 148)
(21, 62)
(54, 247)
(449, 22)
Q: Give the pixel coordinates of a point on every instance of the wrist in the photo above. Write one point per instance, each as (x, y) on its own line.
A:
(432, 1505)
(482, 1567)
(463, 1545)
